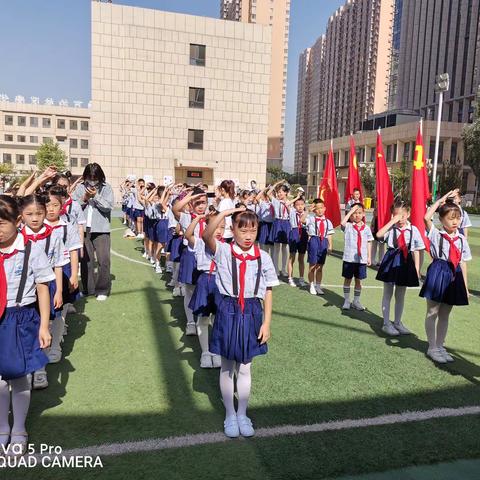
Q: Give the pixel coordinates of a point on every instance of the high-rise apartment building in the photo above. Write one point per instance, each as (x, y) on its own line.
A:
(349, 70)
(275, 13)
(439, 36)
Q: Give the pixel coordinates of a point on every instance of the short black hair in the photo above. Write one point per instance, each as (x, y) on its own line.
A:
(93, 171)
(9, 209)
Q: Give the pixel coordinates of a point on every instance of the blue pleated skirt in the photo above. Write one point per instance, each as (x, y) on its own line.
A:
(442, 286)
(20, 352)
(398, 270)
(235, 334)
(188, 272)
(264, 232)
(68, 296)
(280, 231)
(205, 296)
(162, 232)
(175, 248)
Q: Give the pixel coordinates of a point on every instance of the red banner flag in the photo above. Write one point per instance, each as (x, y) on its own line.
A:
(353, 180)
(383, 186)
(420, 189)
(328, 191)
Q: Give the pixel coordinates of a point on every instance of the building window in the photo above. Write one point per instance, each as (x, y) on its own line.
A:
(20, 159)
(22, 121)
(83, 144)
(9, 138)
(34, 121)
(47, 139)
(73, 143)
(84, 162)
(315, 163)
(195, 139)
(21, 138)
(73, 125)
(32, 159)
(7, 158)
(60, 123)
(454, 152)
(84, 125)
(196, 97)
(46, 123)
(197, 54)
(406, 151)
(73, 162)
(8, 119)
(33, 139)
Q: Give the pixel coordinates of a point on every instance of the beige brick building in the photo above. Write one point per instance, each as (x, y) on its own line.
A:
(398, 144)
(25, 126)
(178, 95)
(274, 13)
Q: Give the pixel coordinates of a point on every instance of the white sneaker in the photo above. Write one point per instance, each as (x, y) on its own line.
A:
(40, 380)
(313, 290)
(319, 290)
(216, 361)
(145, 255)
(446, 355)
(436, 355)
(206, 360)
(346, 305)
(245, 426)
(169, 269)
(54, 356)
(158, 268)
(177, 292)
(191, 330)
(402, 329)
(182, 291)
(389, 329)
(101, 298)
(302, 282)
(152, 261)
(140, 235)
(356, 305)
(291, 282)
(230, 427)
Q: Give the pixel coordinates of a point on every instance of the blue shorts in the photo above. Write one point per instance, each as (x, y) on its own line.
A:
(298, 243)
(351, 269)
(317, 250)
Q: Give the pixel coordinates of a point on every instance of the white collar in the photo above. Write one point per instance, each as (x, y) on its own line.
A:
(18, 244)
(29, 231)
(239, 251)
(451, 235)
(359, 224)
(60, 223)
(405, 227)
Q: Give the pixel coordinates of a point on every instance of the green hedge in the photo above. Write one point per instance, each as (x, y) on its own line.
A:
(472, 210)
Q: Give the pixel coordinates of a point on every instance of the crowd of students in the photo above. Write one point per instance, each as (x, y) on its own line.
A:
(226, 250)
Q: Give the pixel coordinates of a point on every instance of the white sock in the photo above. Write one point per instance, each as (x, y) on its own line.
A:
(386, 300)
(430, 323)
(202, 332)
(399, 303)
(176, 268)
(275, 256)
(187, 296)
(57, 332)
(285, 255)
(442, 324)
(4, 410)
(346, 293)
(356, 294)
(21, 394)
(244, 385)
(227, 371)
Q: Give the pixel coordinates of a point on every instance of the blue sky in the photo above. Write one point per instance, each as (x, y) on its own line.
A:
(46, 46)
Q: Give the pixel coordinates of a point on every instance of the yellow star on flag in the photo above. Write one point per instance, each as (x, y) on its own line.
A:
(419, 163)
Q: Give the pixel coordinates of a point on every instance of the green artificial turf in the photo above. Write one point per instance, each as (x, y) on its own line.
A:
(129, 373)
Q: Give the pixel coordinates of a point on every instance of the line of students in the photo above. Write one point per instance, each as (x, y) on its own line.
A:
(40, 243)
(211, 250)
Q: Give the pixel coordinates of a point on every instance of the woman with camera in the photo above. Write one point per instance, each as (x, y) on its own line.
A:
(95, 196)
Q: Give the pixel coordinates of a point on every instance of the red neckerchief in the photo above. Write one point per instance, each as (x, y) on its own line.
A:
(3, 279)
(272, 210)
(322, 226)
(299, 224)
(212, 263)
(454, 254)
(242, 270)
(201, 223)
(402, 244)
(284, 210)
(63, 211)
(35, 237)
(359, 231)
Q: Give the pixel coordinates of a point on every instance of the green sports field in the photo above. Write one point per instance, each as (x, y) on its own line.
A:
(130, 374)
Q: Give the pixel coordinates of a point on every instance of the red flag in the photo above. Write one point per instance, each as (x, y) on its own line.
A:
(383, 186)
(353, 181)
(328, 191)
(420, 189)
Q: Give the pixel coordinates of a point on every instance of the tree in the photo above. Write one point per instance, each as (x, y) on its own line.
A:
(401, 180)
(50, 155)
(450, 177)
(471, 141)
(276, 174)
(368, 180)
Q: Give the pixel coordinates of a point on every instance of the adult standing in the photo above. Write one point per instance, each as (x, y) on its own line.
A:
(226, 191)
(95, 196)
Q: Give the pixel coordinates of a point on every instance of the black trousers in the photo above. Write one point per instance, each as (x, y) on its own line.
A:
(96, 246)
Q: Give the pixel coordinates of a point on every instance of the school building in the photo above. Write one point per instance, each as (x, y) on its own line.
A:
(398, 143)
(179, 97)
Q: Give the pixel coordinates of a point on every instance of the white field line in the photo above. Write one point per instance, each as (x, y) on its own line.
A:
(113, 252)
(157, 444)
